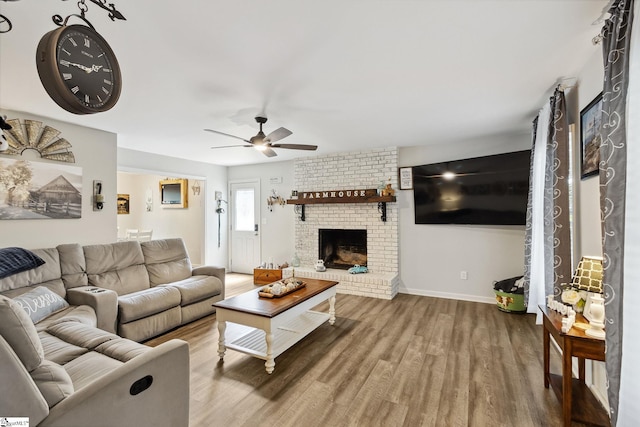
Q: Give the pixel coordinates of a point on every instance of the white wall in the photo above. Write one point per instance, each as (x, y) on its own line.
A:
(166, 223)
(216, 180)
(277, 235)
(95, 153)
(588, 191)
(432, 256)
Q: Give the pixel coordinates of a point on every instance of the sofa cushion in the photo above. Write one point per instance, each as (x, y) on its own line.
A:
(197, 288)
(46, 274)
(15, 260)
(59, 351)
(40, 303)
(116, 266)
(151, 326)
(81, 314)
(89, 367)
(145, 303)
(122, 349)
(19, 331)
(80, 335)
(166, 260)
(72, 265)
(53, 382)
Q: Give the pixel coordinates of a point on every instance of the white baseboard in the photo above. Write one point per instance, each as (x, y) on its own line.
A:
(447, 295)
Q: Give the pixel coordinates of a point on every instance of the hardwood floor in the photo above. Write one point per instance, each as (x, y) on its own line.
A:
(412, 361)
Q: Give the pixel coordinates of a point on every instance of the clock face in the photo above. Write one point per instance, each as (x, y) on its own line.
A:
(79, 70)
(85, 68)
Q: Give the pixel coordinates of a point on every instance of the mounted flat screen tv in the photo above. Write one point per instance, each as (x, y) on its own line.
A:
(490, 190)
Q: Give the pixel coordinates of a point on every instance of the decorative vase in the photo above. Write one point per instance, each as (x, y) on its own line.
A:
(295, 262)
(596, 314)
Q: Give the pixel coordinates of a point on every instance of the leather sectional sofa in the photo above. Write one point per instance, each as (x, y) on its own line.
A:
(69, 367)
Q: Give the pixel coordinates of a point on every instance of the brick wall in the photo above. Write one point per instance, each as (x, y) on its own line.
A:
(351, 171)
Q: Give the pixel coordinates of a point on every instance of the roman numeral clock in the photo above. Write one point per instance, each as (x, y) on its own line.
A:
(78, 69)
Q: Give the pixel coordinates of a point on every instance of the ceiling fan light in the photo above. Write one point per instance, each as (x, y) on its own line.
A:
(260, 147)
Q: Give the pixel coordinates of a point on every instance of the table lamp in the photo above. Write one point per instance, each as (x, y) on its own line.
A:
(588, 277)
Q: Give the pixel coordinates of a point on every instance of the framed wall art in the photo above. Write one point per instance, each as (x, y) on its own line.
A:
(123, 204)
(405, 178)
(590, 137)
(39, 190)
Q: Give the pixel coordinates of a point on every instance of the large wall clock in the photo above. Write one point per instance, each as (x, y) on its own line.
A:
(78, 69)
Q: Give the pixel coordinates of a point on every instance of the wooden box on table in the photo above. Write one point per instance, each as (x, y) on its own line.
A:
(264, 276)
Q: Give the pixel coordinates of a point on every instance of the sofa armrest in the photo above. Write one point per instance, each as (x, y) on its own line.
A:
(103, 301)
(210, 270)
(112, 399)
(20, 395)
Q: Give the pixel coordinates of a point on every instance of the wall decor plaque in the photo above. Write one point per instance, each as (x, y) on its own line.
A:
(35, 135)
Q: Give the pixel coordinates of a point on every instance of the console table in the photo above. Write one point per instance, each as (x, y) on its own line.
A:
(578, 402)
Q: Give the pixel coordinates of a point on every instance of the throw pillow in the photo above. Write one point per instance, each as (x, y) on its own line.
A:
(40, 303)
(16, 260)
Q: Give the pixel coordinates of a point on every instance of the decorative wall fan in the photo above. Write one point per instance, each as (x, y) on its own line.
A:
(34, 135)
(265, 143)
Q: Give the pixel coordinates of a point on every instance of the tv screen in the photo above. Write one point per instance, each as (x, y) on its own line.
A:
(489, 190)
(171, 194)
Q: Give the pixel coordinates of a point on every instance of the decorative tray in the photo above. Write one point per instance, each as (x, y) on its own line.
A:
(281, 288)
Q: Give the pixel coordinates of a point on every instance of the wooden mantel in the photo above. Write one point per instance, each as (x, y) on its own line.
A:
(342, 196)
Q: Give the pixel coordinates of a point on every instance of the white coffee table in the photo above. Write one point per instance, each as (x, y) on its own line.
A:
(277, 323)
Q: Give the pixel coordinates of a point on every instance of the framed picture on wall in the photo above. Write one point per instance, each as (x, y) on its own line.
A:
(405, 178)
(123, 204)
(590, 137)
(39, 190)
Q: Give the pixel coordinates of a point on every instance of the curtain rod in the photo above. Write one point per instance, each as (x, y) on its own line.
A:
(605, 10)
(598, 38)
(566, 83)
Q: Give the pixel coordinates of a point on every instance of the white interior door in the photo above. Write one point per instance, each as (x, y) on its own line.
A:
(245, 231)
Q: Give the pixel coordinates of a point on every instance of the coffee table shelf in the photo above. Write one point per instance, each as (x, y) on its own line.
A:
(277, 323)
(285, 336)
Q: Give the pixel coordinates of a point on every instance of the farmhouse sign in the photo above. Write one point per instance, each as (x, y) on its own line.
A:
(302, 198)
(336, 196)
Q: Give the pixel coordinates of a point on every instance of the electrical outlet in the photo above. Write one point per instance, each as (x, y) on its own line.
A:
(463, 275)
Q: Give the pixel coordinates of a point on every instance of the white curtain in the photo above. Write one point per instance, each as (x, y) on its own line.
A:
(538, 279)
(630, 372)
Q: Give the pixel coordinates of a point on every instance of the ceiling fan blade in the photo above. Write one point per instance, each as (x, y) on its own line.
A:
(232, 146)
(227, 134)
(269, 152)
(277, 135)
(296, 146)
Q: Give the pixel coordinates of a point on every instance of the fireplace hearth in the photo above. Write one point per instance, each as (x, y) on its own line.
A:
(342, 249)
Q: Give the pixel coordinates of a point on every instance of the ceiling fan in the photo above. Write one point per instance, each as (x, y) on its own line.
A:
(265, 143)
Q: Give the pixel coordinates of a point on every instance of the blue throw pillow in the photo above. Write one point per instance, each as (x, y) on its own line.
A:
(16, 260)
(40, 303)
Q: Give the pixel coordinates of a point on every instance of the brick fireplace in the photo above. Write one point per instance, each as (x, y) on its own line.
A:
(358, 170)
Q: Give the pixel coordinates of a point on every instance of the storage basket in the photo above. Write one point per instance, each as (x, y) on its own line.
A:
(511, 303)
(510, 295)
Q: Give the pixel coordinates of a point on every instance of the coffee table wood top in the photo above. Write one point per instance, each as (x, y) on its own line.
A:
(250, 302)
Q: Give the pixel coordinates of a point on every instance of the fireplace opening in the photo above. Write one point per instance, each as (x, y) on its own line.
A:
(342, 248)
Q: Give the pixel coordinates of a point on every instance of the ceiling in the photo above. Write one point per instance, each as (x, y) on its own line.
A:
(346, 75)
